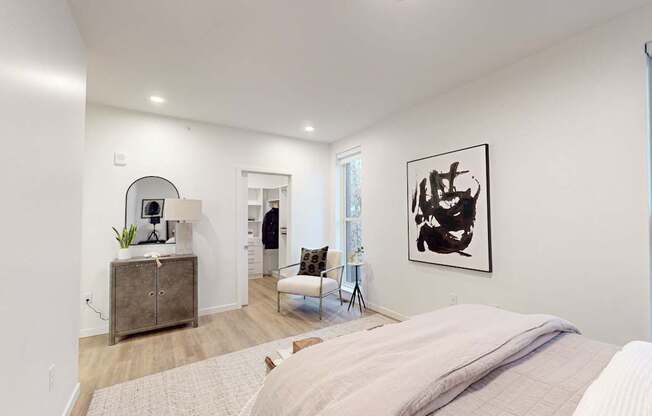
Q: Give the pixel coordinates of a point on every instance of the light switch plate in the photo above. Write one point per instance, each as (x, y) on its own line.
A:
(119, 159)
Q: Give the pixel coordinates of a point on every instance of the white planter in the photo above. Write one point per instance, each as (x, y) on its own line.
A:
(124, 254)
(356, 258)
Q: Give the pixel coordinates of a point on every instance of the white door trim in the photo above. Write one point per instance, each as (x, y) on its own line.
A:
(242, 275)
(72, 401)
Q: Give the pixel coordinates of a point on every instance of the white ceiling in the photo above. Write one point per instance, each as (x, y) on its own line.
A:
(342, 65)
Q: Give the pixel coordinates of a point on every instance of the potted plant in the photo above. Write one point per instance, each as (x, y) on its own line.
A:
(125, 239)
(358, 255)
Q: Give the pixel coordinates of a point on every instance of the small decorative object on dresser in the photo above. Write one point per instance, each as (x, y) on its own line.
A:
(152, 293)
(125, 239)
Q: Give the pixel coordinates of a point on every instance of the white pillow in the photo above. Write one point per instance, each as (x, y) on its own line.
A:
(625, 386)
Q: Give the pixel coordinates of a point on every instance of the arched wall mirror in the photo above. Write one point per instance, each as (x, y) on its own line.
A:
(144, 206)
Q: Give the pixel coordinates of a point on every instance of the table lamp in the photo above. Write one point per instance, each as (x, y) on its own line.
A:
(186, 211)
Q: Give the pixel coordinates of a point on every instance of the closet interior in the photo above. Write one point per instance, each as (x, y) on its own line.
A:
(267, 218)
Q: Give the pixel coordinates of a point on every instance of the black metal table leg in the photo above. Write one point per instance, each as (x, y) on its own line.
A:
(357, 292)
(352, 301)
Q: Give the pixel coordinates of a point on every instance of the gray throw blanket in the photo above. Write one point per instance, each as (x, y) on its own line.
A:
(406, 369)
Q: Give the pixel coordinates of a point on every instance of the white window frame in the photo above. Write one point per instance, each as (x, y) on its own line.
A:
(342, 220)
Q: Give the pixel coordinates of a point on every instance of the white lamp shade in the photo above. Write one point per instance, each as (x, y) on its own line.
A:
(182, 210)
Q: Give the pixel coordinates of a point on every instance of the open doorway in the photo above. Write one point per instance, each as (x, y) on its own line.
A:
(264, 217)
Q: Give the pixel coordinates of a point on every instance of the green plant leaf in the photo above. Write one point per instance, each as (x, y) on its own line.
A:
(126, 237)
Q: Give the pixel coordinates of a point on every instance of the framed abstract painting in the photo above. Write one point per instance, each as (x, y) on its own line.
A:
(448, 209)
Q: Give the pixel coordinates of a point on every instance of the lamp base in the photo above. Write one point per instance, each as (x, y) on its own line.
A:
(183, 238)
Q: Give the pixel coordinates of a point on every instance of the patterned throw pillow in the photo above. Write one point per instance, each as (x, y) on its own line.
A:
(313, 262)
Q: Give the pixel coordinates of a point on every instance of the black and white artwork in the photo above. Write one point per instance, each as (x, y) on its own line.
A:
(152, 208)
(448, 209)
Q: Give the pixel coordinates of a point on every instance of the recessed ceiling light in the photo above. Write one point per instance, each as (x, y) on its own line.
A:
(156, 99)
(309, 129)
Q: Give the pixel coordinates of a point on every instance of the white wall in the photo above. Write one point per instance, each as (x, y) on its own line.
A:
(569, 186)
(42, 99)
(201, 160)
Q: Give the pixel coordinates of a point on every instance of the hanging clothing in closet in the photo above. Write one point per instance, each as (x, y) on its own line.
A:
(270, 229)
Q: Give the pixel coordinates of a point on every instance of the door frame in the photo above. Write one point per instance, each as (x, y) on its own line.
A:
(242, 273)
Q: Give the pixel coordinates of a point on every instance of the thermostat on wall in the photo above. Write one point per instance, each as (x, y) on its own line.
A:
(119, 159)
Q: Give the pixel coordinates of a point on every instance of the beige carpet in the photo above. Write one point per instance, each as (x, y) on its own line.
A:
(218, 386)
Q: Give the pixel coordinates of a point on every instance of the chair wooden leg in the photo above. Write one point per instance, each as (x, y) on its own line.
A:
(320, 302)
(278, 302)
(341, 302)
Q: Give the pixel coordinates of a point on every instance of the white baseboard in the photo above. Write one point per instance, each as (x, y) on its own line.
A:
(72, 401)
(91, 332)
(387, 312)
(217, 309)
(346, 294)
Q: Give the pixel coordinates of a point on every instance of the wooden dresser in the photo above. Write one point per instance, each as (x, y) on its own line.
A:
(145, 296)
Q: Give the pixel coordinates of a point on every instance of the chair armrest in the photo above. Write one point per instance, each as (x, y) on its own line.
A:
(281, 275)
(323, 274)
(288, 266)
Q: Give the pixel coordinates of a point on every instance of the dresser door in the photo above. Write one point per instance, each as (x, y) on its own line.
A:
(176, 291)
(135, 296)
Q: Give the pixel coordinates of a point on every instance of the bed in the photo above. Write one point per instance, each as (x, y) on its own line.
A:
(550, 381)
(469, 360)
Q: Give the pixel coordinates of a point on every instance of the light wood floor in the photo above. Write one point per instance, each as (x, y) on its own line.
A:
(140, 355)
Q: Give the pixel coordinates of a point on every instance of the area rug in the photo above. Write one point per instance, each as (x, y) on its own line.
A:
(217, 386)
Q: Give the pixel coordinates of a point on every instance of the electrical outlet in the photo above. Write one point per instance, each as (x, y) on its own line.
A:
(87, 297)
(51, 378)
(452, 300)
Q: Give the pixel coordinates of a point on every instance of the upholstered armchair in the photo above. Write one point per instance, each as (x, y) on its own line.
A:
(328, 283)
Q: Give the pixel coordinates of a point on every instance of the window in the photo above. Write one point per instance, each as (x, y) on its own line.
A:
(350, 209)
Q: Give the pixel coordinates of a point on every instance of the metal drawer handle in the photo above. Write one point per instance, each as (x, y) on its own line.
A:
(151, 293)
(161, 292)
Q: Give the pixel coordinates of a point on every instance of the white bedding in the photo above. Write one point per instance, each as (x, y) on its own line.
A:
(406, 369)
(625, 386)
(550, 381)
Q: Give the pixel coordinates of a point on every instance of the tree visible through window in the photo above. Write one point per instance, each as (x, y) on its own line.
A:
(351, 211)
